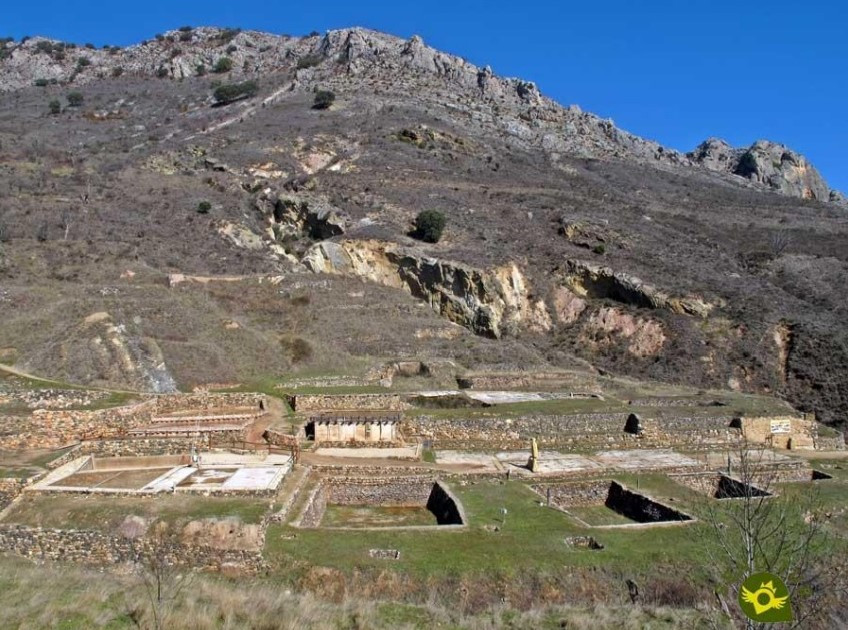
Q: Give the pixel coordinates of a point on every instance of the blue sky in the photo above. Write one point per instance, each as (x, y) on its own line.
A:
(673, 71)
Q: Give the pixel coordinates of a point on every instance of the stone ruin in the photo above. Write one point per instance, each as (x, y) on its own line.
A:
(720, 486)
(636, 507)
(420, 491)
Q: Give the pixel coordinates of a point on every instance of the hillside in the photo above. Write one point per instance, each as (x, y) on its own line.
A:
(569, 242)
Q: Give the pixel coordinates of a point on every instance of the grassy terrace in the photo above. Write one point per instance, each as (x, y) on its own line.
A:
(27, 463)
(69, 511)
(532, 536)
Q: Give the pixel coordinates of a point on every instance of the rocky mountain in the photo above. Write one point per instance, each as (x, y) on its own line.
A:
(768, 163)
(151, 228)
(514, 105)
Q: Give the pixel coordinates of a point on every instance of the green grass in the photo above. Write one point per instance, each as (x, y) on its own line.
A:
(597, 515)
(27, 463)
(564, 406)
(532, 538)
(67, 511)
(376, 516)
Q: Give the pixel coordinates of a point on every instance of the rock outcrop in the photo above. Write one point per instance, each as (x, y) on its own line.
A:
(487, 302)
(514, 105)
(767, 163)
(598, 282)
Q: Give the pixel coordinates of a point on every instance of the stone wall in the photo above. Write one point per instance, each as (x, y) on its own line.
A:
(640, 508)
(316, 505)
(411, 491)
(576, 381)
(346, 402)
(9, 491)
(719, 486)
(99, 548)
(141, 446)
(167, 403)
(593, 430)
(580, 494)
(56, 428)
(801, 432)
(637, 507)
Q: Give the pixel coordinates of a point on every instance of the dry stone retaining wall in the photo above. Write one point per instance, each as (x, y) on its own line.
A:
(167, 403)
(99, 548)
(637, 507)
(346, 402)
(526, 380)
(595, 430)
(9, 491)
(640, 508)
(56, 428)
(422, 491)
(578, 494)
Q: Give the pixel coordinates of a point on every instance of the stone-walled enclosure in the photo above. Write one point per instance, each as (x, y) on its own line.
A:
(211, 473)
(418, 491)
(55, 428)
(586, 430)
(633, 505)
(720, 486)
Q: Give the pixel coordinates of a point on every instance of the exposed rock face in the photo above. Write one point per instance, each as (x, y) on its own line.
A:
(488, 303)
(716, 155)
(767, 163)
(594, 281)
(644, 337)
(306, 214)
(783, 170)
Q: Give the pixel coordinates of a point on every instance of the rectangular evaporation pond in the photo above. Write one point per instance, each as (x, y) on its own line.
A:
(376, 516)
(259, 478)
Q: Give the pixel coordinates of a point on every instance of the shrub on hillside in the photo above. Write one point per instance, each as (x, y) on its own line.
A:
(323, 99)
(82, 62)
(227, 34)
(308, 61)
(162, 72)
(55, 107)
(224, 64)
(204, 207)
(75, 99)
(429, 225)
(41, 83)
(235, 91)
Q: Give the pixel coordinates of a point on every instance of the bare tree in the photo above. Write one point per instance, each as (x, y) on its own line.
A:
(780, 241)
(67, 222)
(761, 530)
(162, 579)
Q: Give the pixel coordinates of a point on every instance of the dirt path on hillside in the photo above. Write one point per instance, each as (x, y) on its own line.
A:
(249, 111)
(62, 385)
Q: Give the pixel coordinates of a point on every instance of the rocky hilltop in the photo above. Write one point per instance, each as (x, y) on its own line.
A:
(155, 235)
(515, 106)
